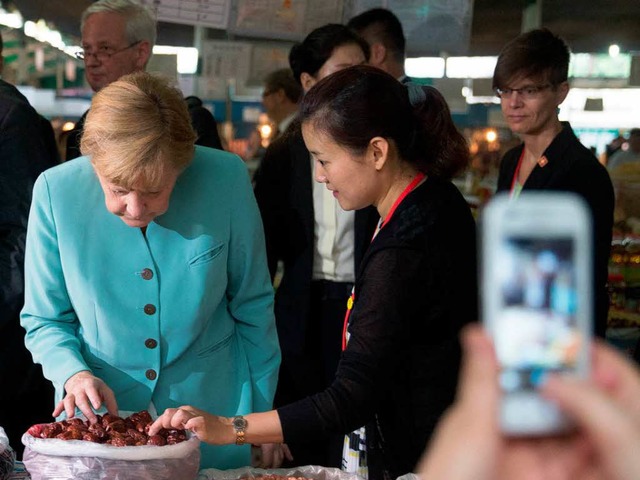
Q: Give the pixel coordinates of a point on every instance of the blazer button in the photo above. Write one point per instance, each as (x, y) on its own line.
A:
(150, 343)
(149, 309)
(147, 274)
(151, 374)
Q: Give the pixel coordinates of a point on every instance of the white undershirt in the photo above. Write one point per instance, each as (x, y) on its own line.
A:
(282, 126)
(333, 236)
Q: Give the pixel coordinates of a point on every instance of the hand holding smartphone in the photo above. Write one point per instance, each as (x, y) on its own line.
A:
(536, 301)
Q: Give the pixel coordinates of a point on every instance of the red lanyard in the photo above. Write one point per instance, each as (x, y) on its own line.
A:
(414, 183)
(515, 175)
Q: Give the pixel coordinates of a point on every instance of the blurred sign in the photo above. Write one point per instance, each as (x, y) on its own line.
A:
(223, 63)
(284, 19)
(208, 13)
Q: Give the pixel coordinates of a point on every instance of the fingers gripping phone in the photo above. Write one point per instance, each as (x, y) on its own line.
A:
(536, 301)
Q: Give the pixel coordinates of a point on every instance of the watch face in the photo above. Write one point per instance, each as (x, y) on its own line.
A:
(239, 423)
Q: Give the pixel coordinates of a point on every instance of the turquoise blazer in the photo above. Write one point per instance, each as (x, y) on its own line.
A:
(183, 315)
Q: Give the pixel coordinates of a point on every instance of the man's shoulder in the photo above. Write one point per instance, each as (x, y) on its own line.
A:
(9, 92)
(15, 104)
(284, 148)
(624, 156)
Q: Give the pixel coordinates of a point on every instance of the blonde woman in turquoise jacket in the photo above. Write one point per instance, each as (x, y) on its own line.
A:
(146, 275)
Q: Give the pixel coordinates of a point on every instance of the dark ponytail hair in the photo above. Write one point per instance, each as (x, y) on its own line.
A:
(310, 55)
(358, 103)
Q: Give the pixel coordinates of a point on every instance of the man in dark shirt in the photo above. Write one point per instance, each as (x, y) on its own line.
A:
(27, 148)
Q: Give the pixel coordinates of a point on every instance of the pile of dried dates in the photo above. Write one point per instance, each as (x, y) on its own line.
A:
(110, 430)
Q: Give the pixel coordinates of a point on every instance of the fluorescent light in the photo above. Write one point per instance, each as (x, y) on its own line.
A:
(424, 67)
(471, 67)
(11, 20)
(42, 33)
(187, 57)
(614, 50)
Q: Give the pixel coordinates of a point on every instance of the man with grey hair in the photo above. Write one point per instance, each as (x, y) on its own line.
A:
(280, 98)
(117, 39)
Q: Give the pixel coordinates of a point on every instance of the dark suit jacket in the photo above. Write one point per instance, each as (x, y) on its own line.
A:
(283, 189)
(73, 139)
(204, 123)
(573, 168)
(26, 149)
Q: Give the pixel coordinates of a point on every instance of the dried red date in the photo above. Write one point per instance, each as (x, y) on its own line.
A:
(111, 430)
(116, 426)
(143, 417)
(136, 435)
(73, 421)
(158, 440)
(95, 428)
(107, 418)
(51, 430)
(70, 435)
(90, 437)
(117, 442)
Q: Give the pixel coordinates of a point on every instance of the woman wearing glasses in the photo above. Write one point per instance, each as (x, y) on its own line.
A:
(530, 79)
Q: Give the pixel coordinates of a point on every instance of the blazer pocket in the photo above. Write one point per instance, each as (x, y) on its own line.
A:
(205, 352)
(206, 256)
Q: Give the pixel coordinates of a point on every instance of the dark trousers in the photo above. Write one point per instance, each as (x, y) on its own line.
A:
(314, 370)
(26, 397)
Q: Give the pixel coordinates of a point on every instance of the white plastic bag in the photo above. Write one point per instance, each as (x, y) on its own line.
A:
(52, 458)
(7, 456)
(313, 472)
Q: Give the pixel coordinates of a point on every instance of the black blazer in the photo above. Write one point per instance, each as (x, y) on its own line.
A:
(573, 168)
(27, 148)
(204, 123)
(283, 189)
(73, 139)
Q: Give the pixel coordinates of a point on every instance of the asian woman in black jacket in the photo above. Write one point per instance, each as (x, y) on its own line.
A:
(378, 142)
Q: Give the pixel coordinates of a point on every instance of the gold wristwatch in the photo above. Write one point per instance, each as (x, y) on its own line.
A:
(239, 425)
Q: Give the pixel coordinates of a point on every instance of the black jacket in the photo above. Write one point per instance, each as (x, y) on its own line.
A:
(283, 190)
(416, 288)
(204, 123)
(573, 168)
(27, 148)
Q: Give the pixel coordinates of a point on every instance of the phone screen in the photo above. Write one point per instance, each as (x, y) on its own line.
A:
(536, 329)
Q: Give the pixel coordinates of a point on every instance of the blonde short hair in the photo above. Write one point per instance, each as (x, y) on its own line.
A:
(138, 129)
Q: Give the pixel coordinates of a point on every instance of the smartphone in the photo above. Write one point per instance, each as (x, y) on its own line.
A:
(536, 299)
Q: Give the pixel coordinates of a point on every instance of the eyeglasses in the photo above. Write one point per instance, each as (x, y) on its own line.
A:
(526, 93)
(103, 53)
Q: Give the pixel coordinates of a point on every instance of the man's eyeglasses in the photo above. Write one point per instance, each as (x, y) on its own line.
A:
(526, 93)
(103, 53)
